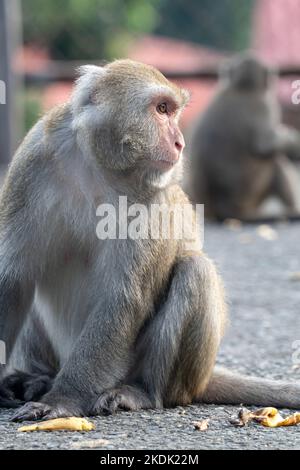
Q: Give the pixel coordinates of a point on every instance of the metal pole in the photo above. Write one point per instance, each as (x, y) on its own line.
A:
(10, 83)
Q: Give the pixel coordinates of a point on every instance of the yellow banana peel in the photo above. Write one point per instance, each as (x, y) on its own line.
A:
(269, 417)
(60, 424)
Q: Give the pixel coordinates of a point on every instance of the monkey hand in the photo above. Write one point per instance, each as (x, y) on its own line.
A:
(32, 411)
(126, 398)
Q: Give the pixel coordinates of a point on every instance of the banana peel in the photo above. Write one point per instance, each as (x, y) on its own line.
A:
(60, 424)
(269, 417)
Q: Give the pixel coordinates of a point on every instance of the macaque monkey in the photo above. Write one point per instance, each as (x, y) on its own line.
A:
(93, 326)
(240, 151)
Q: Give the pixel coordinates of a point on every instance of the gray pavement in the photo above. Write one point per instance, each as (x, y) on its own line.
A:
(265, 322)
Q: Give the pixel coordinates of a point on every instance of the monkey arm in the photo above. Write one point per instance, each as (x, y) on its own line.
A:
(265, 142)
(286, 183)
(22, 237)
(18, 271)
(290, 142)
(270, 141)
(16, 285)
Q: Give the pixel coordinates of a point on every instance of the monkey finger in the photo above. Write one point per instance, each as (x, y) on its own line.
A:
(106, 403)
(126, 398)
(31, 411)
(130, 398)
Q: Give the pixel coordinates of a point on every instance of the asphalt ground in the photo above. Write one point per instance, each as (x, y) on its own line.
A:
(261, 269)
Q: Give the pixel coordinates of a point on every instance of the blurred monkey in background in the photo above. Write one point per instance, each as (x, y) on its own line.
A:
(240, 151)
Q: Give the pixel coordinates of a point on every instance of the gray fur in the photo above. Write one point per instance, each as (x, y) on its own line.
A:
(100, 325)
(230, 388)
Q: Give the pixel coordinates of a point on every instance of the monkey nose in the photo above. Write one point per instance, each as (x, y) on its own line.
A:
(179, 144)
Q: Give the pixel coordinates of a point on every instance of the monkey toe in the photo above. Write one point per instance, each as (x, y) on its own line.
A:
(125, 398)
(32, 411)
(106, 403)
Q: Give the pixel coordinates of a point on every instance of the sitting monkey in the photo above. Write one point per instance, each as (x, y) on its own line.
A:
(240, 151)
(91, 325)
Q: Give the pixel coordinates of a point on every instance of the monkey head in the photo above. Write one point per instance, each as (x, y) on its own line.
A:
(126, 115)
(245, 72)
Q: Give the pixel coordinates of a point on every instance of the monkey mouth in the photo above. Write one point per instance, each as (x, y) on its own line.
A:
(163, 165)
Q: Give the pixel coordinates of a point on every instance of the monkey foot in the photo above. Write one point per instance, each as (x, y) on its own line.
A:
(27, 387)
(126, 398)
(7, 398)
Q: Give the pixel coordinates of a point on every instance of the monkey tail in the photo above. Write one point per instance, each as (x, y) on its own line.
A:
(230, 388)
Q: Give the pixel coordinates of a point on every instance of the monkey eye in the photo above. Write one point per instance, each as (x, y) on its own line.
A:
(162, 108)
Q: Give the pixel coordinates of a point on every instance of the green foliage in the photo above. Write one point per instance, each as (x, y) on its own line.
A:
(31, 102)
(222, 24)
(86, 29)
(97, 29)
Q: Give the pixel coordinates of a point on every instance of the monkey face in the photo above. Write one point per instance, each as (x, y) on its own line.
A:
(134, 124)
(247, 73)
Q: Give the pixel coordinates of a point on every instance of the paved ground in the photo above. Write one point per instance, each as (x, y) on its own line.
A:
(265, 321)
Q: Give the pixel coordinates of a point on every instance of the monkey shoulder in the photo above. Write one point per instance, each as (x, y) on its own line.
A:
(57, 116)
(34, 167)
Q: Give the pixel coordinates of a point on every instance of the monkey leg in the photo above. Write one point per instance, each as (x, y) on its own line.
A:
(286, 183)
(176, 350)
(31, 367)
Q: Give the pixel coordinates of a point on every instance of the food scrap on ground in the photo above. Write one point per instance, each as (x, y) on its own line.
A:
(90, 444)
(60, 424)
(267, 232)
(295, 277)
(233, 224)
(269, 417)
(201, 425)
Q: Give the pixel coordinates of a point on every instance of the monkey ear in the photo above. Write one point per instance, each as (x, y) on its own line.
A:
(89, 76)
(89, 69)
(186, 96)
